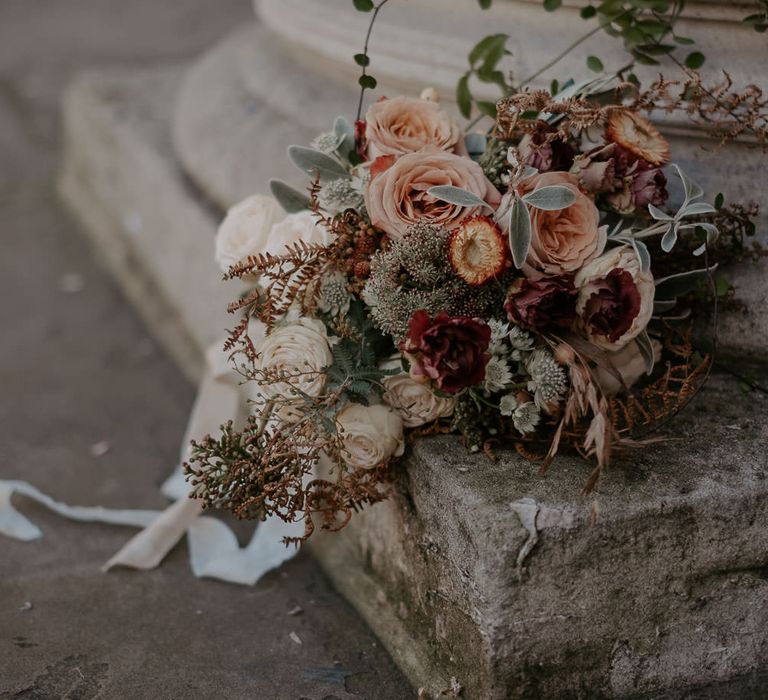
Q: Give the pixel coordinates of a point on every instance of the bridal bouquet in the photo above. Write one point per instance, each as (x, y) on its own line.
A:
(526, 286)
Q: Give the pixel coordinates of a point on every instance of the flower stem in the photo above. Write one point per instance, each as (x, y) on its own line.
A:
(365, 53)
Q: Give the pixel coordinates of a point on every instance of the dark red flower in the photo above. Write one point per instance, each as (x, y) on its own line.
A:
(452, 351)
(548, 303)
(613, 306)
(542, 150)
(361, 146)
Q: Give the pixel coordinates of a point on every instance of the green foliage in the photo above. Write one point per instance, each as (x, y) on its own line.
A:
(363, 5)
(595, 64)
(484, 4)
(484, 60)
(356, 358)
(695, 60)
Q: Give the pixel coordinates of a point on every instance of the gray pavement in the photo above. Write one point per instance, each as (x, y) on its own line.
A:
(79, 375)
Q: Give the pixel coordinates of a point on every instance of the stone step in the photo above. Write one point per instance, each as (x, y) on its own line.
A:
(476, 570)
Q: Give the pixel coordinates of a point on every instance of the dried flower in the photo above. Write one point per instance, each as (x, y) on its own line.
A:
(521, 341)
(637, 135)
(413, 399)
(451, 351)
(370, 435)
(548, 380)
(499, 337)
(334, 296)
(477, 250)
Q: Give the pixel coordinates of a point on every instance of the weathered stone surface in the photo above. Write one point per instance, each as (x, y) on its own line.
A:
(667, 589)
(120, 177)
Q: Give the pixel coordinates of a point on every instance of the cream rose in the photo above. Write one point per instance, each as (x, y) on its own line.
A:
(615, 300)
(562, 241)
(407, 124)
(301, 351)
(629, 363)
(301, 226)
(396, 196)
(246, 229)
(370, 435)
(413, 400)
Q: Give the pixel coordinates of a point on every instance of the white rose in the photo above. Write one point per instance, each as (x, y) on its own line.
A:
(301, 350)
(371, 435)
(615, 299)
(301, 226)
(630, 365)
(246, 229)
(413, 400)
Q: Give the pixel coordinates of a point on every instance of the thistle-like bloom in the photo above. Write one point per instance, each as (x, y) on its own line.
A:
(327, 142)
(334, 296)
(497, 375)
(521, 342)
(548, 381)
(499, 337)
(525, 415)
(338, 195)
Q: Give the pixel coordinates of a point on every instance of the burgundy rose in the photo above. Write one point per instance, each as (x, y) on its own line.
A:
(629, 183)
(612, 306)
(541, 150)
(547, 303)
(451, 351)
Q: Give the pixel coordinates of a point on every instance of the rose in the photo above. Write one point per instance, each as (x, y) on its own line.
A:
(396, 196)
(406, 124)
(629, 183)
(370, 435)
(629, 363)
(451, 351)
(246, 229)
(615, 299)
(541, 304)
(301, 226)
(563, 240)
(543, 153)
(298, 352)
(413, 399)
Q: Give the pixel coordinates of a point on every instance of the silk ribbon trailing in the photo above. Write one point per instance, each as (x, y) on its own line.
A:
(213, 548)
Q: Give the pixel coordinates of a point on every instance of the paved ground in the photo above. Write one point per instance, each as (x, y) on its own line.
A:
(78, 369)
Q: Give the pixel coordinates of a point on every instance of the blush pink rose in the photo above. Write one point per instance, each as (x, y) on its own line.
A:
(396, 196)
(407, 124)
(562, 241)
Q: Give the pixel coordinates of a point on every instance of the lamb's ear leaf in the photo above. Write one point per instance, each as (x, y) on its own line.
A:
(289, 198)
(519, 232)
(643, 256)
(457, 195)
(345, 133)
(669, 239)
(551, 198)
(317, 163)
(646, 350)
(692, 189)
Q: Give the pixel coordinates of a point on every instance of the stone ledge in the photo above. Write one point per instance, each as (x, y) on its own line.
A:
(665, 592)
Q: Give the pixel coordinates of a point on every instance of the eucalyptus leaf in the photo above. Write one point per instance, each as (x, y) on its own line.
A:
(683, 282)
(641, 250)
(658, 214)
(316, 163)
(646, 350)
(290, 199)
(551, 198)
(464, 96)
(457, 195)
(519, 232)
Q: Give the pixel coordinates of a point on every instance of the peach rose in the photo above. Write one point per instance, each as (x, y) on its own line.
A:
(396, 196)
(615, 299)
(629, 364)
(407, 124)
(562, 241)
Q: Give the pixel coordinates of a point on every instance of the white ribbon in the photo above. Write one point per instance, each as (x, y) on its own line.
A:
(213, 547)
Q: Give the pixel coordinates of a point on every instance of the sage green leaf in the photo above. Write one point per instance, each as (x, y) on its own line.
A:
(658, 214)
(646, 350)
(643, 256)
(458, 196)
(551, 198)
(345, 133)
(519, 232)
(692, 189)
(316, 163)
(290, 199)
(697, 209)
(669, 239)
(485, 45)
